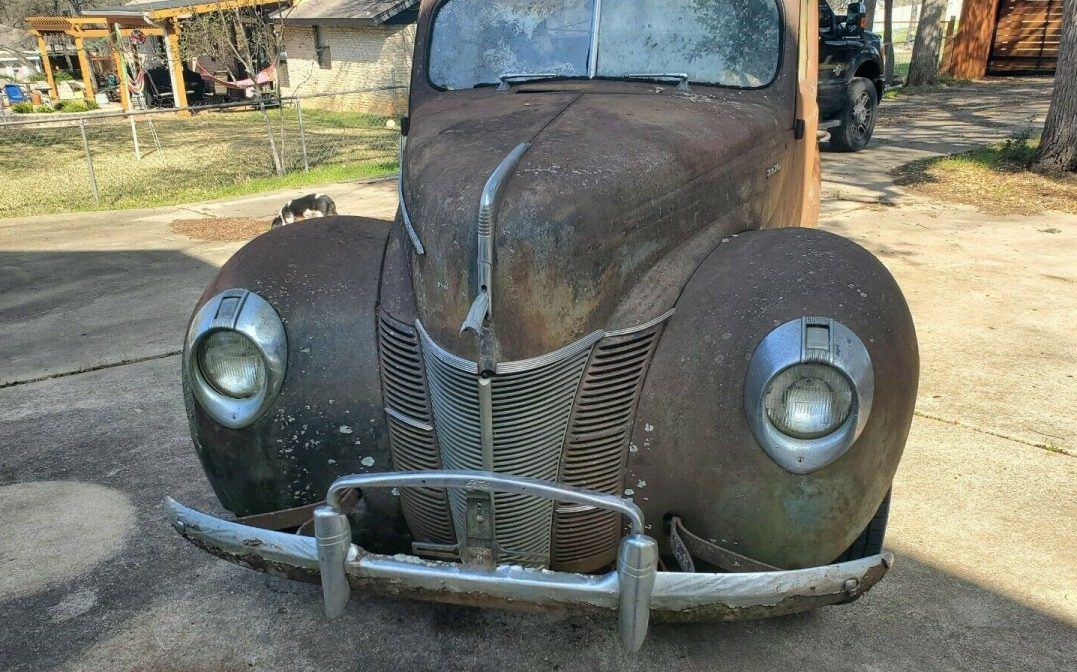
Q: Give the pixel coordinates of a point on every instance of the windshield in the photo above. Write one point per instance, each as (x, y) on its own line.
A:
(721, 42)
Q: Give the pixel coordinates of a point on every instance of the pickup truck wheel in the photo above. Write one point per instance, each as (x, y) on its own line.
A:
(858, 120)
(870, 541)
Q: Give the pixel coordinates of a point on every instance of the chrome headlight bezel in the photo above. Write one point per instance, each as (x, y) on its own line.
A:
(249, 314)
(809, 340)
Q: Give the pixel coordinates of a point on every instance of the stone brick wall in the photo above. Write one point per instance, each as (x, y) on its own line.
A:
(361, 58)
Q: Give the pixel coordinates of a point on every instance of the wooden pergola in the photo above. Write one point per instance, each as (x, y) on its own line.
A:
(156, 18)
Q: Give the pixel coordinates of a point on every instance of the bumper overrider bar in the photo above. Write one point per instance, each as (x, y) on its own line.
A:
(635, 589)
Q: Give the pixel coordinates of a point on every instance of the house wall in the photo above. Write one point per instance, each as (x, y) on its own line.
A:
(362, 58)
(12, 68)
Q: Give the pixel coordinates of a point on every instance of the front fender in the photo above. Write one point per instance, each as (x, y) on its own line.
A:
(693, 453)
(322, 277)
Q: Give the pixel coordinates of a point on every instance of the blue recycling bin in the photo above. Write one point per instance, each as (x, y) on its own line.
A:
(14, 93)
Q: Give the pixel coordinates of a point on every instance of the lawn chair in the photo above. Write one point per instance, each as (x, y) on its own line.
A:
(15, 94)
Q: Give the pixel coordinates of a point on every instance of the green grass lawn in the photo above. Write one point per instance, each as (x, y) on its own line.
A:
(184, 159)
(997, 179)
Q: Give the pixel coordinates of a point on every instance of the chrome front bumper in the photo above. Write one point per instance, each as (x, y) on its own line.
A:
(635, 589)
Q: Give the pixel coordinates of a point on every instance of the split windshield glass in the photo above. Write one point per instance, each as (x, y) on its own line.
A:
(719, 42)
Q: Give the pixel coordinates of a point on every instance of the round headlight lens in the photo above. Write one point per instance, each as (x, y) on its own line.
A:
(808, 401)
(232, 364)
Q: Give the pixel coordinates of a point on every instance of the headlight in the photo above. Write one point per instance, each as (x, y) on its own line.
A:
(808, 401)
(235, 357)
(808, 393)
(232, 364)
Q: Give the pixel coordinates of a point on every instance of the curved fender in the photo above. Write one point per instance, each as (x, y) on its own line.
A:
(322, 277)
(693, 453)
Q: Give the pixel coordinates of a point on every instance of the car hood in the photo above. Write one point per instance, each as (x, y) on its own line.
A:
(614, 181)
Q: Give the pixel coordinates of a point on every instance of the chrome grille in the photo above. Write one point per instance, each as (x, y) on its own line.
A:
(411, 432)
(566, 416)
(532, 402)
(584, 538)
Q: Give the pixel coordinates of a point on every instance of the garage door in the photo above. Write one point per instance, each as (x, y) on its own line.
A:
(1026, 37)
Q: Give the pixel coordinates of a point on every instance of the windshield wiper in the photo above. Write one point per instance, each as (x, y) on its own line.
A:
(680, 77)
(519, 78)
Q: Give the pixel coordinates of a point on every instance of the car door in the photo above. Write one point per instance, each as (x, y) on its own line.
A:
(833, 62)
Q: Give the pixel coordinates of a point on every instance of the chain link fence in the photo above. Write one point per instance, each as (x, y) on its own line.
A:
(61, 162)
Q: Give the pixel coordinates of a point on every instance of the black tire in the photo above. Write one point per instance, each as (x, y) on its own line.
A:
(857, 118)
(870, 541)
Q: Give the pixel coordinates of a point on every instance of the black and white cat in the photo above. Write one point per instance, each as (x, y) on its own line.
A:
(305, 207)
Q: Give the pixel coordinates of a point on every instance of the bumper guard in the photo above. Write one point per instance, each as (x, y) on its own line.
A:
(635, 589)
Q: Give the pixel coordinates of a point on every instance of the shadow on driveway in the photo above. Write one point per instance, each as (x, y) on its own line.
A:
(63, 311)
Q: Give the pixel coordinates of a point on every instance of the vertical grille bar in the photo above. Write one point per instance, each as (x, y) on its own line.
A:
(596, 449)
(566, 417)
(531, 414)
(531, 409)
(411, 433)
(454, 396)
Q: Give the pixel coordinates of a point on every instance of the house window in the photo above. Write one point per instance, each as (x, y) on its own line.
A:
(321, 47)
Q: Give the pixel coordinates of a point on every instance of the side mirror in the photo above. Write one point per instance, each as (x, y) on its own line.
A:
(856, 18)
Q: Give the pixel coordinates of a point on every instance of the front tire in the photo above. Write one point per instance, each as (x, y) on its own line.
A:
(858, 119)
(870, 541)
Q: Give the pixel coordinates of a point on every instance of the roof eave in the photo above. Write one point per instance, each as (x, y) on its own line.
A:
(111, 12)
(329, 21)
(128, 19)
(393, 11)
(376, 20)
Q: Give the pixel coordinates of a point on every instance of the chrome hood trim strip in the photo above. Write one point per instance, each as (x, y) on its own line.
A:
(418, 244)
(523, 365)
(642, 327)
(444, 355)
(483, 306)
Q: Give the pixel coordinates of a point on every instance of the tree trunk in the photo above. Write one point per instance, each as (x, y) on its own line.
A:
(871, 13)
(1058, 149)
(924, 68)
(888, 40)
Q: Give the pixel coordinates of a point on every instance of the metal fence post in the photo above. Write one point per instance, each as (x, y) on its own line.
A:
(134, 136)
(302, 136)
(89, 160)
(153, 132)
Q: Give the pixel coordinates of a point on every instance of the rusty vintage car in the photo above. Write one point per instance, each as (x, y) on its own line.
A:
(600, 361)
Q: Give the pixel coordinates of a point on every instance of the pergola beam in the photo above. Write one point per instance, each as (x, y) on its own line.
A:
(86, 26)
(46, 63)
(175, 63)
(203, 8)
(121, 74)
(121, 22)
(87, 70)
(125, 32)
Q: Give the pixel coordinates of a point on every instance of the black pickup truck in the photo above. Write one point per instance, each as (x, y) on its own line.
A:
(851, 81)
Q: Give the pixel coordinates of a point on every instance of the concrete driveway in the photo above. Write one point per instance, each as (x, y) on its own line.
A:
(93, 435)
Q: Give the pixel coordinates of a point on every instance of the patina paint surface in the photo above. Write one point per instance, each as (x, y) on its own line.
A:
(321, 276)
(692, 451)
(612, 183)
(620, 178)
(634, 198)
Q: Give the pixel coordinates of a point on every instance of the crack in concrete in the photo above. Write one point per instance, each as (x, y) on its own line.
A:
(98, 367)
(999, 435)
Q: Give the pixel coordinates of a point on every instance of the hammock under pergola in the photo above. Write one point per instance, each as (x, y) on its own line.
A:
(265, 76)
